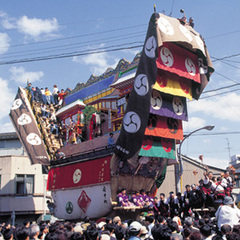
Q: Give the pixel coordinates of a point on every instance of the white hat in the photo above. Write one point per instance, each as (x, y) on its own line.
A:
(78, 228)
(135, 226)
(101, 224)
(227, 200)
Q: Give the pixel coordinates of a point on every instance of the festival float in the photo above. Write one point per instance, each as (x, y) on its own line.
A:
(143, 103)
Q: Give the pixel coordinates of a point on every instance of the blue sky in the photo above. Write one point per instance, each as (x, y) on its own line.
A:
(33, 29)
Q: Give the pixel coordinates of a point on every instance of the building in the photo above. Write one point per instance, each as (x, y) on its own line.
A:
(22, 185)
(192, 172)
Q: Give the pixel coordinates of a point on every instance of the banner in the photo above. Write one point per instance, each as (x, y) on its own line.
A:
(179, 61)
(164, 127)
(27, 129)
(158, 147)
(172, 84)
(168, 105)
(138, 107)
(80, 174)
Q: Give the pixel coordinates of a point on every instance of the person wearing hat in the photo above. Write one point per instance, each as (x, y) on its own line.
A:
(134, 230)
(190, 22)
(228, 213)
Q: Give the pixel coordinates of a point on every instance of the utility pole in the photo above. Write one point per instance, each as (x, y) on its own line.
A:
(228, 147)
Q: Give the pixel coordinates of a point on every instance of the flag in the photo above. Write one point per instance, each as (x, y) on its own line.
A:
(164, 127)
(168, 105)
(138, 108)
(27, 129)
(162, 172)
(172, 84)
(178, 60)
(158, 147)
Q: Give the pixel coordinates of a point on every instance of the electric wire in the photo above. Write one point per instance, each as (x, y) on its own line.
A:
(70, 46)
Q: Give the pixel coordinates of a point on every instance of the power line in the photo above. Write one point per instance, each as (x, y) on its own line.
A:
(223, 34)
(217, 94)
(78, 36)
(76, 54)
(56, 48)
(226, 57)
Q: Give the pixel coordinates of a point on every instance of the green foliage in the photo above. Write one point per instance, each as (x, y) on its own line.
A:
(88, 111)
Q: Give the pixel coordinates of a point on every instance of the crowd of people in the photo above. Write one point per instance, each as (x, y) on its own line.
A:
(46, 105)
(147, 226)
(209, 192)
(45, 96)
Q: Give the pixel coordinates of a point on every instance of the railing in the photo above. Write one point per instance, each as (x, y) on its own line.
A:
(85, 156)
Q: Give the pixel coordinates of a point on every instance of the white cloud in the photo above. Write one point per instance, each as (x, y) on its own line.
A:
(19, 75)
(4, 43)
(36, 28)
(211, 161)
(224, 107)
(207, 140)
(6, 98)
(6, 126)
(216, 162)
(7, 22)
(98, 62)
(193, 124)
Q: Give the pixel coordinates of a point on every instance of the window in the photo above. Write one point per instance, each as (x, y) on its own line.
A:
(75, 118)
(114, 105)
(107, 104)
(103, 104)
(24, 184)
(2, 144)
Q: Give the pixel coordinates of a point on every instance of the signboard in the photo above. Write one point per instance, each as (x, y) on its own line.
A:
(80, 174)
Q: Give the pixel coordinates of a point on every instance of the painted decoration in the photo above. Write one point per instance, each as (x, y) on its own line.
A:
(165, 127)
(80, 174)
(135, 118)
(172, 84)
(158, 147)
(175, 59)
(93, 201)
(168, 105)
(27, 129)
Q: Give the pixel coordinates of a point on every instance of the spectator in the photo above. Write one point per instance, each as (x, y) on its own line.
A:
(163, 205)
(55, 94)
(134, 230)
(195, 236)
(232, 236)
(53, 128)
(8, 234)
(59, 155)
(51, 207)
(117, 221)
(190, 22)
(227, 183)
(206, 232)
(61, 96)
(225, 229)
(34, 231)
(172, 201)
(22, 234)
(48, 96)
(110, 140)
(188, 222)
(42, 91)
(150, 224)
(161, 232)
(228, 213)
(52, 115)
(45, 112)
